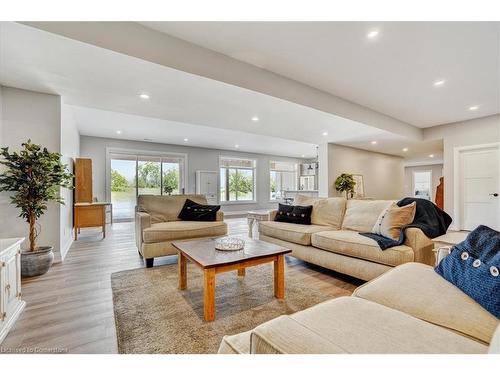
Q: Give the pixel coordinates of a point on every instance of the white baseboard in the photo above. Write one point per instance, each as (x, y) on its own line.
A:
(64, 250)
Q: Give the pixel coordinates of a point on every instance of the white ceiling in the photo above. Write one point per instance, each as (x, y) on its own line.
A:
(99, 123)
(102, 87)
(392, 74)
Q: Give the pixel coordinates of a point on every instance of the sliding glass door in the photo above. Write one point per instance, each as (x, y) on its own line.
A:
(149, 175)
(132, 175)
(123, 186)
(172, 169)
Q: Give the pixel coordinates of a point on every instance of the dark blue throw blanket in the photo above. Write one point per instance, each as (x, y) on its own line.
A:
(432, 220)
(473, 267)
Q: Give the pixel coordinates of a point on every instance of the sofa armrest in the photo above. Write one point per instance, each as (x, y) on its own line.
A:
(284, 335)
(421, 244)
(142, 221)
(220, 216)
(272, 215)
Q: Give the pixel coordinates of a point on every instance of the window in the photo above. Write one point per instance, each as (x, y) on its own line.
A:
(135, 174)
(282, 177)
(237, 179)
(422, 184)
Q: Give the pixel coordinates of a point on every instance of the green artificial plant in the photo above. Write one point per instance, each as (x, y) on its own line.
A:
(34, 174)
(345, 184)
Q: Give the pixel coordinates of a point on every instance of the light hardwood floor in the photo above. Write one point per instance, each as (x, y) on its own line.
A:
(70, 309)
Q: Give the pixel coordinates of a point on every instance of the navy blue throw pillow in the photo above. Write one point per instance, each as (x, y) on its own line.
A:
(473, 267)
(193, 211)
(294, 214)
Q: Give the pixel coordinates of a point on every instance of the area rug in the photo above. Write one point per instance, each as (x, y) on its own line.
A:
(153, 316)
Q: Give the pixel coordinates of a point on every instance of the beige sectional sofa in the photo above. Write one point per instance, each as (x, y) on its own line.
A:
(157, 225)
(409, 309)
(333, 240)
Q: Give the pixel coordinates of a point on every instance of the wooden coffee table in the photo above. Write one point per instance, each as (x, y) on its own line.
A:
(211, 261)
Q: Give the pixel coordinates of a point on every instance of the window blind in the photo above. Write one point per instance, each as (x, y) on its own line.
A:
(237, 163)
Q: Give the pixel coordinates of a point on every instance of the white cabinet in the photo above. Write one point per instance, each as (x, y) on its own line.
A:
(11, 304)
(206, 184)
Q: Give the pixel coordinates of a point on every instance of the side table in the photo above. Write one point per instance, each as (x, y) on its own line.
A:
(444, 243)
(256, 216)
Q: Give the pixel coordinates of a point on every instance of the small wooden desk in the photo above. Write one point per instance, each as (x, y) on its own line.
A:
(88, 215)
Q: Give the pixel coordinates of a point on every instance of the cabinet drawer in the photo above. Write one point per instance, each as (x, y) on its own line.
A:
(89, 216)
(10, 283)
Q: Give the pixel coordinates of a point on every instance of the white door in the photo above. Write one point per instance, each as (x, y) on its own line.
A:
(206, 184)
(480, 188)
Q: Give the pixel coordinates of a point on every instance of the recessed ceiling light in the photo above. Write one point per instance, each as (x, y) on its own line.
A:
(255, 119)
(473, 107)
(405, 149)
(431, 155)
(144, 96)
(372, 34)
(236, 146)
(325, 133)
(439, 82)
(185, 139)
(303, 156)
(374, 142)
(118, 132)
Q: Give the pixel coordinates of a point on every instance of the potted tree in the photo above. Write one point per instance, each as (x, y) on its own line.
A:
(345, 184)
(34, 175)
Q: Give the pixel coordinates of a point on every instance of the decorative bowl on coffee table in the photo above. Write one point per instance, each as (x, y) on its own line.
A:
(229, 244)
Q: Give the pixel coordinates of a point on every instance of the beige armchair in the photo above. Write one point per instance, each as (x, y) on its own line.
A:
(157, 225)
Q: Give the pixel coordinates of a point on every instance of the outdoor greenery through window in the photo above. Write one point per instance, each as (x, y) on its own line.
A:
(282, 177)
(132, 175)
(237, 179)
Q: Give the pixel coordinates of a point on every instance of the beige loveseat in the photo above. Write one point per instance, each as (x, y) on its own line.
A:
(333, 240)
(410, 309)
(157, 225)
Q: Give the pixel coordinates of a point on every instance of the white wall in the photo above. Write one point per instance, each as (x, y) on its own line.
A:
(467, 133)
(383, 175)
(1, 115)
(198, 159)
(70, 149)
(28, 114)
(437, 172)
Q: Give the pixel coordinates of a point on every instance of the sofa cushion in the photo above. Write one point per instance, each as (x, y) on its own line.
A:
(165, 207)
(359, 268)
(192, 211)
(473, 267)
(285, 335)
(417, 290)
(296, 233)
(392, 220)
(294, 214)
(354, 325)
(176, 230)
(326, 211)
(235, 344)
(353, 244)
(361, 215)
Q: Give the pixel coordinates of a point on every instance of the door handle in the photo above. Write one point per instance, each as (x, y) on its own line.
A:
(494, 194)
